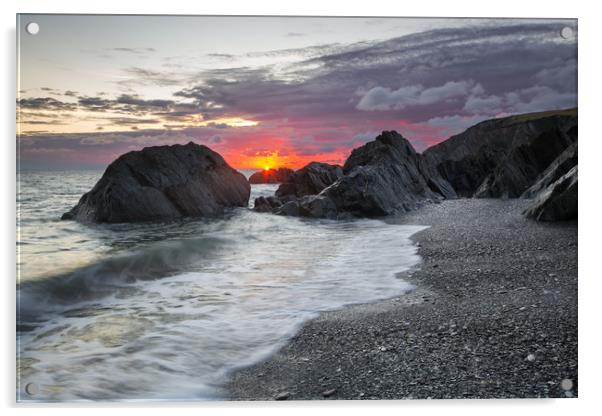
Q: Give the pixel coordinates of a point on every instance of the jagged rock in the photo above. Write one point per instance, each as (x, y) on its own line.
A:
(557, 202)
(523, 164)
(266, 204)
(162, 183)
(559, 167)
(310, 180)
(496, 158)
(383, 177)
(271, 176)
(500, 157)
(290, 208)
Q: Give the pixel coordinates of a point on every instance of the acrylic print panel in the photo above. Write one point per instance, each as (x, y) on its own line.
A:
(288, 208)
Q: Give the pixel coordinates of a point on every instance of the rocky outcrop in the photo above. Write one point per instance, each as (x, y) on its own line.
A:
(383, 177)
(503, 157)
(519, 169)
(162, 183)
(557, 202)
(271, 176)
(310, 180)
(266, 204)
(559, 167)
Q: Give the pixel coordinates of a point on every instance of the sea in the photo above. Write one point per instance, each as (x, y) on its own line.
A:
(169, 310)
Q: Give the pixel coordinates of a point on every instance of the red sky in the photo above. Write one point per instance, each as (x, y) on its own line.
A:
(274, 96)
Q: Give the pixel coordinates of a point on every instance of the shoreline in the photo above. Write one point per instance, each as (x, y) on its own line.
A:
(493, 315)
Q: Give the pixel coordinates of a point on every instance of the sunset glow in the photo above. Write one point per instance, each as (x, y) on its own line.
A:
(264, 98)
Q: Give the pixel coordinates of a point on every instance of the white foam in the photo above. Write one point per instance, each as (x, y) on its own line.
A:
(178, 337)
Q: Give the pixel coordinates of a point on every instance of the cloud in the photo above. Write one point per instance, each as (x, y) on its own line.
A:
(326, 99)
(483, 105)
(45, 104)
(94, 103)
(379, 98)
(144, 76)
(136, 51)
(139, 102)
(535, 98)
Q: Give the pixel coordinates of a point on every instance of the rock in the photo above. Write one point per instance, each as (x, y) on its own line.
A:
(489, 156)
(317, 206)
(559, 167)
(557, 202)
(383, 177)
(271, 176)
(310, 180)
(328, 393)
(520, 168)
(291, 208)
(266, 204)
(163, 183)
(282, 395)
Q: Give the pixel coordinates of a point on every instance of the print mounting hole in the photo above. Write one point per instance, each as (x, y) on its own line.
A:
(31, 389)
(566, 32)
(32, 28)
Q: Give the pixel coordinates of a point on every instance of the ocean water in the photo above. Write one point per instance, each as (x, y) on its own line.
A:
(168, 310)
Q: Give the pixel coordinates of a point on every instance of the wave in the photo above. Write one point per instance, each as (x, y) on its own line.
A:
(103, 278)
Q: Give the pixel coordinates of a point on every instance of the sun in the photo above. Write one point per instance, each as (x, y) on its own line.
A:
(266, 167)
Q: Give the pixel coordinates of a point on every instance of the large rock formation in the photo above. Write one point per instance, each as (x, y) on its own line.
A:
(503, 157)
(271, 176)
(383, 177)
(558, 201)
(519, 169)
(559, 167)
(163, 182)
(310, 180)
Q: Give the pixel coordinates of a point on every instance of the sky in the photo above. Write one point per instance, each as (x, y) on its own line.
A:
(275, 91)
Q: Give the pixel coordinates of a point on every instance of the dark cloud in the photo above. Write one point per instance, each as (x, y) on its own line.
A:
(123, 121)
(94, 103)
(224, 56)
(446, 72)
(46, 122)
(334, 97)
(45, 103)
(136, 101)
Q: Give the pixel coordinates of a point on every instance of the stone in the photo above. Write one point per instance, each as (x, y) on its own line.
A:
(557, 202)
(163, 183)
(559, 167)
(266, 204)
(290, 208)
(329, 393)
(282, 395)
(523, 164)
(310, 180)
(488, 157)
(383, 177)
(271, 176)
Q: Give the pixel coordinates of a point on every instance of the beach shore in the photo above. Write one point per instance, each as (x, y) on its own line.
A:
(493, 315)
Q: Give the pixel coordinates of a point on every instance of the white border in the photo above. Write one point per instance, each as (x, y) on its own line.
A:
(590, 138)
